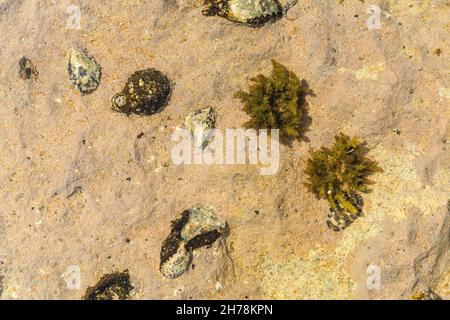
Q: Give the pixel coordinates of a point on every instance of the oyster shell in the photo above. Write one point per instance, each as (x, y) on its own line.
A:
(197, 227)
(146, 92)
(199, 122)
(84, 72)
(250, 12)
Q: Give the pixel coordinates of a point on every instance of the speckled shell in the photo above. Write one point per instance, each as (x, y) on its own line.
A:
(250, 12)
(201, 121)
(177, 264)
(339, 219)
(84, 71)
(146, 92)
(202, 220)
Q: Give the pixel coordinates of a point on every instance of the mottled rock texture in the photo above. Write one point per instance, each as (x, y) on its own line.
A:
(82, 185)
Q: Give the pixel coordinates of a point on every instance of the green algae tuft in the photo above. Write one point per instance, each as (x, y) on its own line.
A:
(276, 102)
(339, 174)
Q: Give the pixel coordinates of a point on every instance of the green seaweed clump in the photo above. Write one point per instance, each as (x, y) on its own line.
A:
(277, 102)
(339, 174)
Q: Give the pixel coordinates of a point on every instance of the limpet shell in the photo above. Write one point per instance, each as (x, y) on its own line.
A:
(250, 12)
(146, 92)
(27, 70)
(199, 122)
(84, 72)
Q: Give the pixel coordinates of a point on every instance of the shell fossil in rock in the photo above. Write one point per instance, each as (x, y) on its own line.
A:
(84, 72)
(199, 122)
(196, 228)
(146, 92)
(250, 12)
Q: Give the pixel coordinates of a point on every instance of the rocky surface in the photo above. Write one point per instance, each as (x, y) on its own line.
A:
(84, 186)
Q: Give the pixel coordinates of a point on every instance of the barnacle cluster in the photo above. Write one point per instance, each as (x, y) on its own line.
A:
(113, 286)
(339, 174)
(145, 93)
(197, 227)
(276, 102)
